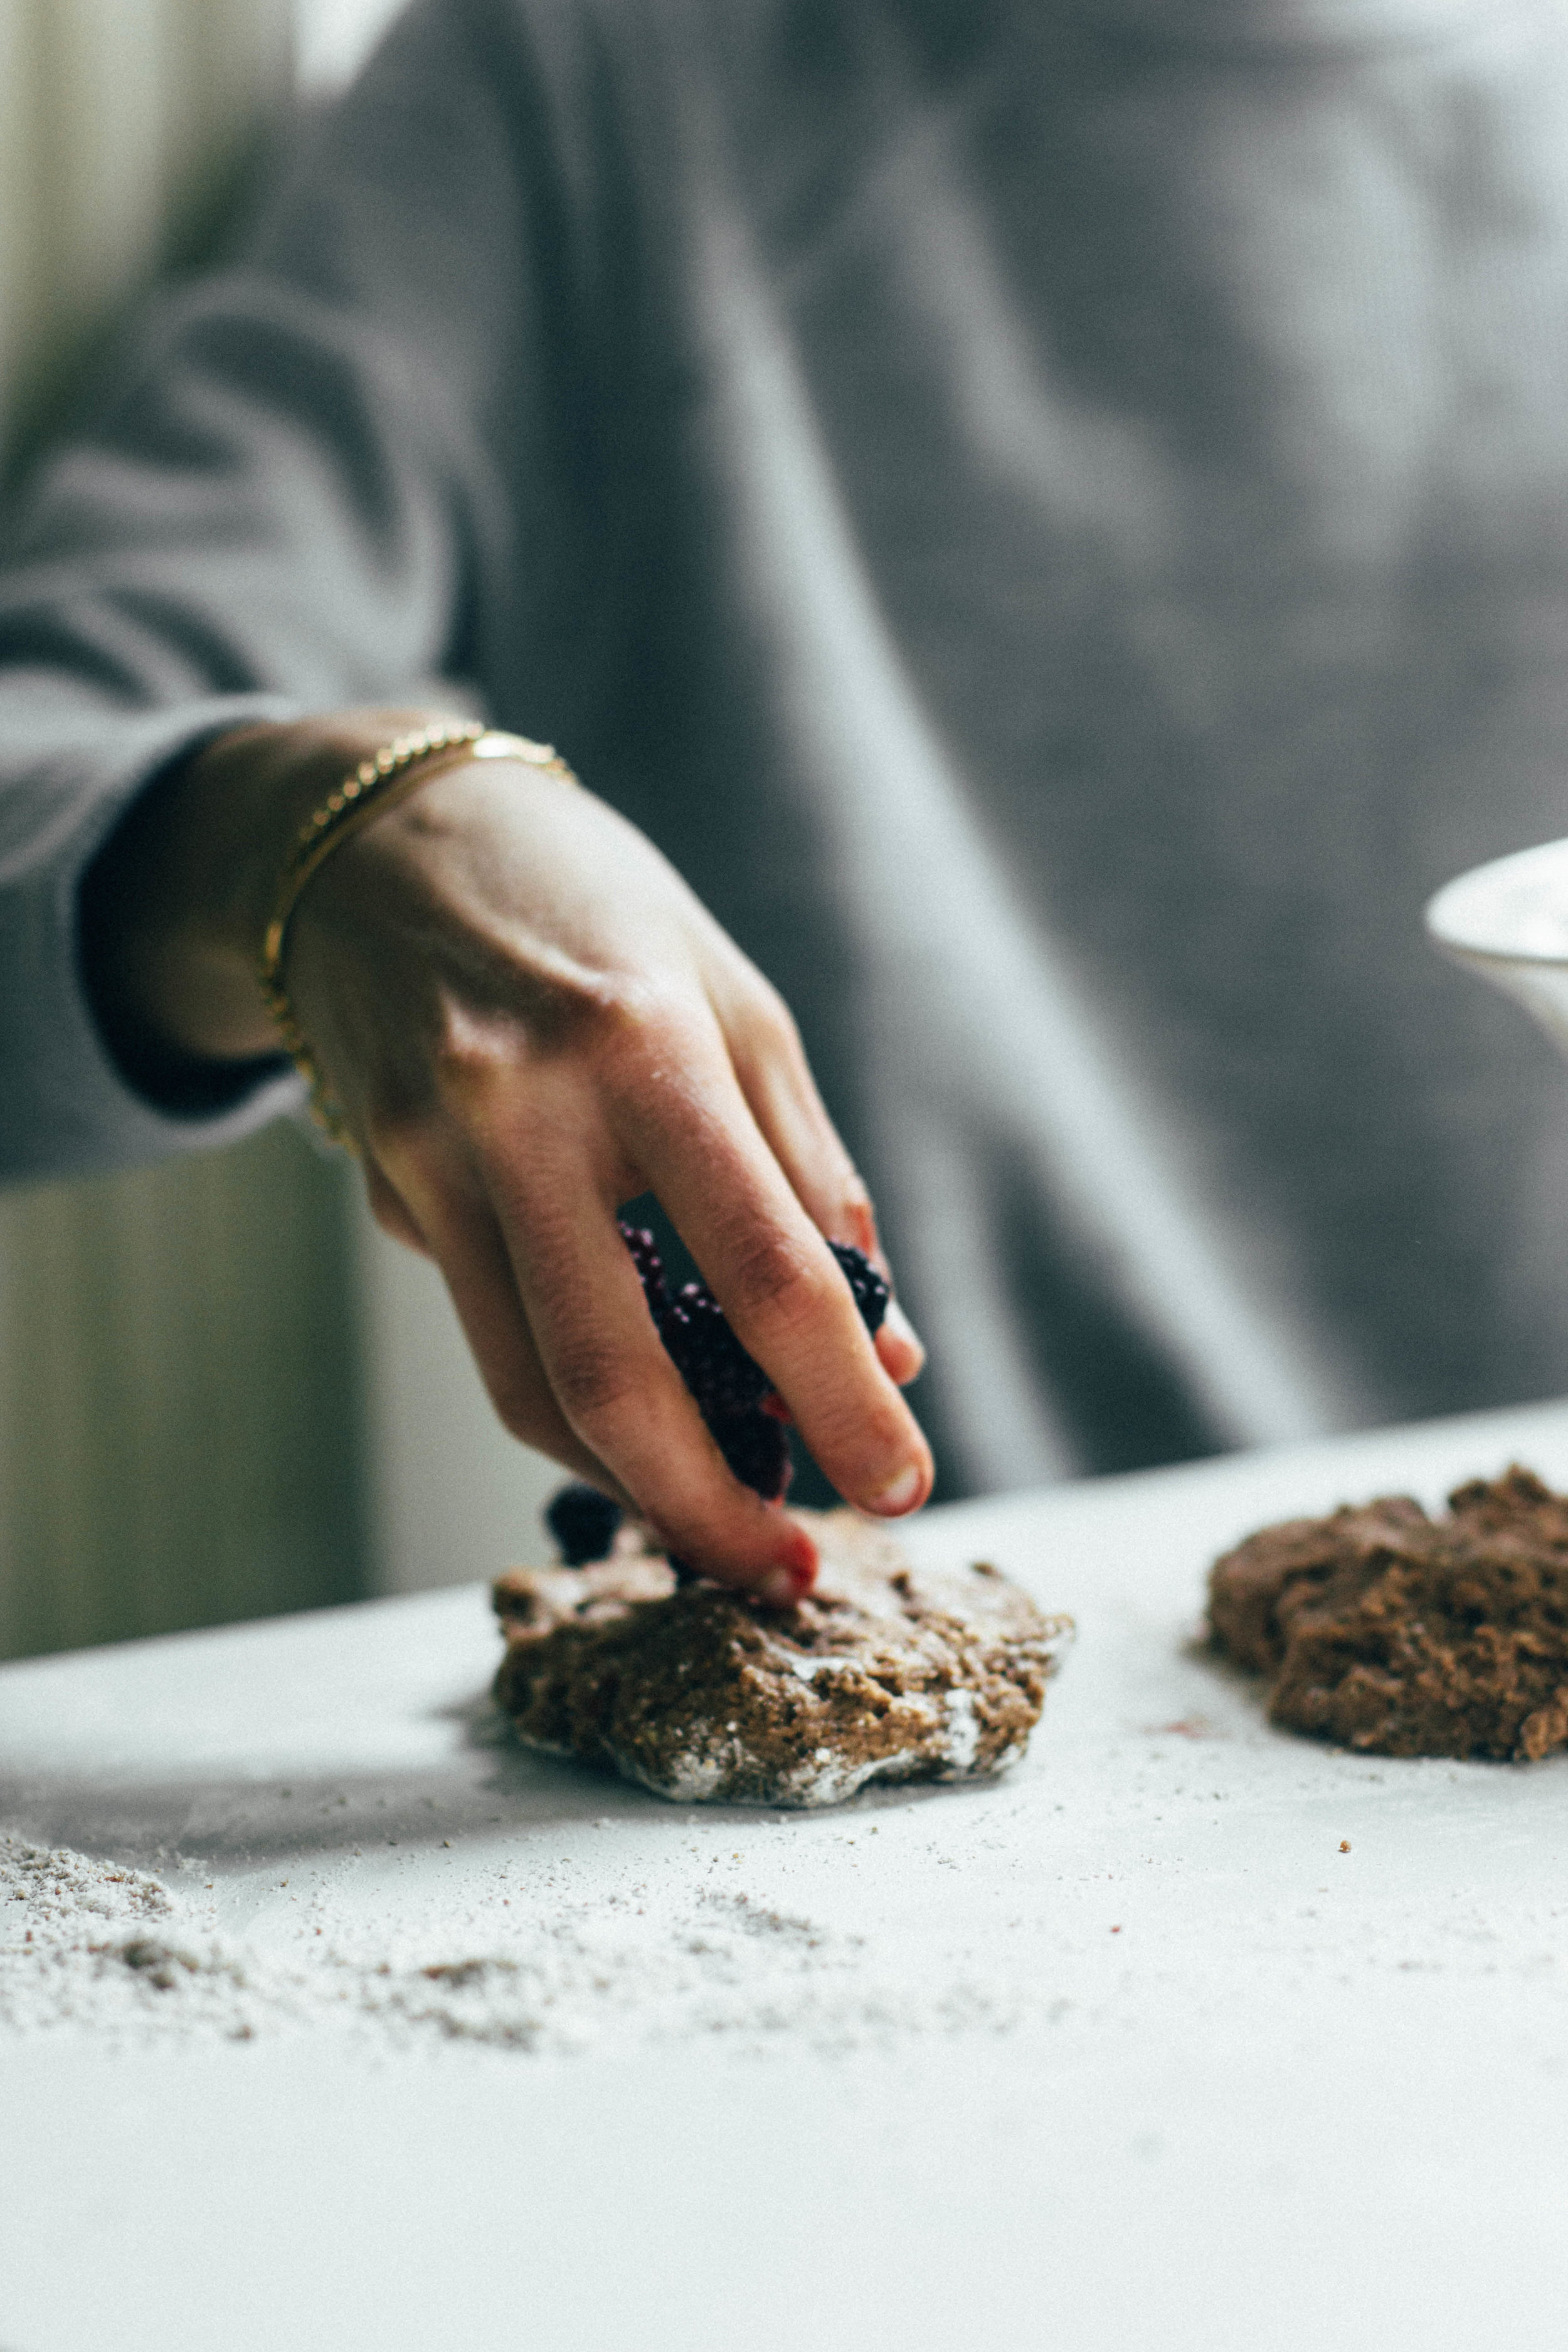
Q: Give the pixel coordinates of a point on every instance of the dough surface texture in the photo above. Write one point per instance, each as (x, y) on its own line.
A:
(1404, 1636)
(885, 1672)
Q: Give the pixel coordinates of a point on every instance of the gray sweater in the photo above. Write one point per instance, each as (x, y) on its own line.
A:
(1060, 532)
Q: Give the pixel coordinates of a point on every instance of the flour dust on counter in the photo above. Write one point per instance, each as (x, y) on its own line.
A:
(91, 1946)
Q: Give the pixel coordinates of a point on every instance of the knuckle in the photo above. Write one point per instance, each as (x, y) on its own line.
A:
(857, 1214)
(466, 1059)
(635, 1021)
(774, 1021)
(594, 1383)
(516, 1416)
(773, 1281)
(577, 1007)
(517, 1405)
(631, 1001)
(765, 1042)
(856, 1197)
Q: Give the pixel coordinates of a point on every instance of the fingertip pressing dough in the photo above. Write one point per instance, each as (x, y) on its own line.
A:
(884, 1671)
(1400, 1634)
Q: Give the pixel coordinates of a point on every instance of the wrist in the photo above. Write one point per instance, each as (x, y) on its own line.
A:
(176, 908)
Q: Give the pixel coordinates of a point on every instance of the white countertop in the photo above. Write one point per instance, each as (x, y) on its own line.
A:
(1121, 2051)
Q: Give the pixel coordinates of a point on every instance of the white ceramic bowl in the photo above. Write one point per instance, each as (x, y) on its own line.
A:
(1509, 922)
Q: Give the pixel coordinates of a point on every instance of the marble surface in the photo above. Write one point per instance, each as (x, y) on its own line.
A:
(1187, 2033)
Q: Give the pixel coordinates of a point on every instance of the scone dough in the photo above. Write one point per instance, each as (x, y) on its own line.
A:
(1405, 1635)
(885, 1672)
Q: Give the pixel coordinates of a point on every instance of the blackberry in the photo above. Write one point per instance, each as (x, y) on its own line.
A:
(872, 1295)
(723, 1378)
(729, 1385)
(583, 1523)
(756, 1449)
(649, 1264)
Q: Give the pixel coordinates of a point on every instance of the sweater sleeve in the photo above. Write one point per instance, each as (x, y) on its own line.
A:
(288, 501)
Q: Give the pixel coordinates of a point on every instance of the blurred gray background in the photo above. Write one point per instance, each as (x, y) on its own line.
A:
(222, 1393)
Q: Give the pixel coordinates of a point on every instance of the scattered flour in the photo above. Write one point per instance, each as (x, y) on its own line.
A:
(91, 1947)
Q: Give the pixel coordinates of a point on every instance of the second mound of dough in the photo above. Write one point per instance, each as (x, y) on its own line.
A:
(1406, 1635)
(885, 1672)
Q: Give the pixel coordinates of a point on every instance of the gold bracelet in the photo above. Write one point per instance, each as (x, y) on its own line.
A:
(374, 786)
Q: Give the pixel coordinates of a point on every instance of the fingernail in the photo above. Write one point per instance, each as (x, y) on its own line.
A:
(896, 1321)
(801, 1557)
(900, 1492)
(785, 1586)
(793, 1571)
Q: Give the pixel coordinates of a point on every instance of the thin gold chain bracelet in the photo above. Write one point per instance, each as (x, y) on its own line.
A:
(378, 782)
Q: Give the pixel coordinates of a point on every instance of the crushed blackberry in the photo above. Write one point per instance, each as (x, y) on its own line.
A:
(728, 1384)
(583, 1523)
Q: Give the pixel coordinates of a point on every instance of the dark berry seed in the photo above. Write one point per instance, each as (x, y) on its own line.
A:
(583, 1523)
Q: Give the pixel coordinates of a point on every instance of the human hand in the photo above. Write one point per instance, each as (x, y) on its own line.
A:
(529, 1020)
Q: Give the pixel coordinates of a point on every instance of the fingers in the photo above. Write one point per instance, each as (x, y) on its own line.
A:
(771, 1069)
(434, 1199)
(521, 1058)
(596, 1391)
(781, 1093)
(390, 1211)
(900, 1346)
(577, 1349)
(764, 1254)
